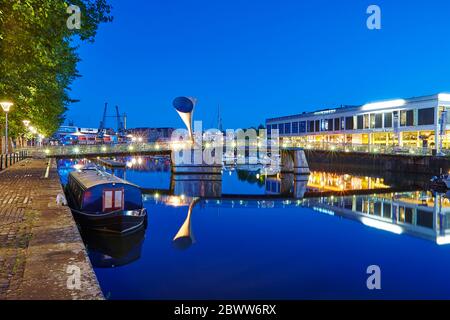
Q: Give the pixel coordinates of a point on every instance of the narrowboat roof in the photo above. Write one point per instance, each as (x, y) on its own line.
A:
(91, 178)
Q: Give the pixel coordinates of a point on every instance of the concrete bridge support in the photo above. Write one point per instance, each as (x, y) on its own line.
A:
(187, 161)
(293, 160)
(295, 168)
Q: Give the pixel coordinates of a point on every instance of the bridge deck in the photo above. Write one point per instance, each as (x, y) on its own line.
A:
(77, 151)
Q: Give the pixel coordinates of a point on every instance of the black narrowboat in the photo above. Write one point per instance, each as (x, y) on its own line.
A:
(101, 201)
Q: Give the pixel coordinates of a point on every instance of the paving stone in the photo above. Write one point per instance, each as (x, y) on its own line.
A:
(38, 239)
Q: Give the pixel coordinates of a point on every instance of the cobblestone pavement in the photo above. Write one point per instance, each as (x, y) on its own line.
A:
(39, 239)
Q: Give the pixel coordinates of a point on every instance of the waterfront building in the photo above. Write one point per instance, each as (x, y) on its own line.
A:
(68, 135)
(152, 134)
(420, 122)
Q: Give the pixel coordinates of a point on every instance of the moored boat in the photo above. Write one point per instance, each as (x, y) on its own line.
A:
(440, 182)
(101, 201)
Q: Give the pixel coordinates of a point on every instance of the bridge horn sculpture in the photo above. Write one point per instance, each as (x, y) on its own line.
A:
(185, 109)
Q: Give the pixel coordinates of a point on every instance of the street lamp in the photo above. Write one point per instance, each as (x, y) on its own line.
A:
(6, 106)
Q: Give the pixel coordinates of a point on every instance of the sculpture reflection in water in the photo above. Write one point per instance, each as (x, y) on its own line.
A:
(187, 190)
(184, 237)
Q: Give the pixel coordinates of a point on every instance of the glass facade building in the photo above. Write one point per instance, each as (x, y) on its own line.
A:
(415, 122)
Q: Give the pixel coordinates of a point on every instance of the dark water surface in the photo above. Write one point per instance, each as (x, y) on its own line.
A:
(275, 249)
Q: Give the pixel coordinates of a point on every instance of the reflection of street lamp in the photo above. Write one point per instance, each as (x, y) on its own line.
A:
(6, 106)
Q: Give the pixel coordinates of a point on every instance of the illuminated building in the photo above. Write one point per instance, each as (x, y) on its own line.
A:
(414, 122)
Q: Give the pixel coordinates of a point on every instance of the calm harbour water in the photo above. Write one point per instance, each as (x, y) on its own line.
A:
(310, 248)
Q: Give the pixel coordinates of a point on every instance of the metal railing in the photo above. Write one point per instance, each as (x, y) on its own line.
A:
(364, 148)
(99, 149)
(153, 147)
(7, 160)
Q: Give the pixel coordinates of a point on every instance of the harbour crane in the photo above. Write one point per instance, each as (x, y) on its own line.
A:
(101, 127)
(121, 126)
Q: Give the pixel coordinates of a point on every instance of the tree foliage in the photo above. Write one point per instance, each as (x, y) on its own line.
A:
(38, 57)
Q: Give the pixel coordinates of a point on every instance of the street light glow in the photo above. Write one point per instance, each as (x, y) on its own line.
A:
(6, 105)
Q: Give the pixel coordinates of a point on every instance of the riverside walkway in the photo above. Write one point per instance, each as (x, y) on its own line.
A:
(39, 239)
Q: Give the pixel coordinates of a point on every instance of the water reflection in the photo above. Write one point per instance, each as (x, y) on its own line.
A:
(286, 233)
(419, 214)
(184, 237)
(326, 181)
(107, 250)
(196, 185)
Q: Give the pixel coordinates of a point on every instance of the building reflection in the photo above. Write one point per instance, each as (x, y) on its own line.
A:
(320, 181)
(196, 185)
(327, 181)
(419, 213)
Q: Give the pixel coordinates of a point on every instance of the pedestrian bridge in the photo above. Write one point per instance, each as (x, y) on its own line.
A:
(81, 151)
(104, 150)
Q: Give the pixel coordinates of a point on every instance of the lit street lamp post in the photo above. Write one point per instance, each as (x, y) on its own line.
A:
(6, 106)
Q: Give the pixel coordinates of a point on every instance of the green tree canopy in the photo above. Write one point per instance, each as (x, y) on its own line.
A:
(38, 57)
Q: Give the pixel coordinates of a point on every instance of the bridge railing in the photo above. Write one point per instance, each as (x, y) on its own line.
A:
(364, 148)
(99, 149)
(108, 149)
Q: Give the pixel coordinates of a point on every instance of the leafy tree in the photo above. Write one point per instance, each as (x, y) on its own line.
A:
(38, 58)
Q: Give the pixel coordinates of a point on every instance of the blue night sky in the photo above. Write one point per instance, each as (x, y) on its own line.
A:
(258, 59)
